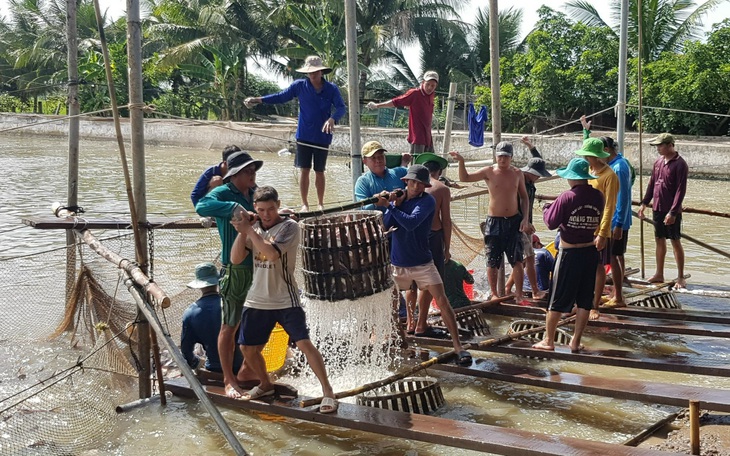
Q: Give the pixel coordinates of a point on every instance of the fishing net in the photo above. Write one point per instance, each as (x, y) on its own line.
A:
(71, 352)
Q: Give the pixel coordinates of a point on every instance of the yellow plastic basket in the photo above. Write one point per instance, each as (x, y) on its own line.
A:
(275, 349)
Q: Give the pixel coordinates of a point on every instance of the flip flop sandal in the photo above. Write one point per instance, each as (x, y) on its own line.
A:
(433, 333)
(463, 358)
(256, 393)
(328, 405)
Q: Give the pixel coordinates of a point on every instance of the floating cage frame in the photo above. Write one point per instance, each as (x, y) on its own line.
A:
(421, 395)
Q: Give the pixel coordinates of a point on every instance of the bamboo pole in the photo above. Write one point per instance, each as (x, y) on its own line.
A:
(694, 426)
(691, 239)
(449, 118)
(158, 367)
(640, 120)
(352, 88)
(73, 138)
(187, 372)
(344, 207)
(150, 288)
(443, 357)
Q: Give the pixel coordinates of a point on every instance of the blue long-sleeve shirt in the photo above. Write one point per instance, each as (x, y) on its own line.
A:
(201, 323)
(201, 187)
(622, 215)
(219, 203)
(370, 184)
(412, 219)
(314, 108)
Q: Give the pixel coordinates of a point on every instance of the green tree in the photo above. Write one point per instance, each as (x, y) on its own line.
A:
(567, 69)
(665, 24)
(696, 80)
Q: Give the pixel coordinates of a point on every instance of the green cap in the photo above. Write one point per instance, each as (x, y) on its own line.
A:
(428, 156)
(663, 138)
(592, 147)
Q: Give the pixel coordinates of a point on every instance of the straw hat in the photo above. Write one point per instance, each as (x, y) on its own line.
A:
(314, 63)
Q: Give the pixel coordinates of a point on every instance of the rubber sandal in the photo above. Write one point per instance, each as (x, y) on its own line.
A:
(329, 404)
(463, 358)
(256, 393)
(433, 333)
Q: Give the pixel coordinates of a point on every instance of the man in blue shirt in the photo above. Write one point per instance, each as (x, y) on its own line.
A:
(316, 122)
(223, 203)
(379, 177)
(201, 322)
(213, 176)
(411, 214)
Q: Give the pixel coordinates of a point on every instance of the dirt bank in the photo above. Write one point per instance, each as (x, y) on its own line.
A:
(714, 435)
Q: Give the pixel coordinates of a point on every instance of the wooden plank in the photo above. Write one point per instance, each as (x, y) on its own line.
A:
(619, 358)
(431, 429)
(650, 392)
(512, 310)
(79, 223)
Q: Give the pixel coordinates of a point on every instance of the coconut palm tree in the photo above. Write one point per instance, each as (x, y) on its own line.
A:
(665, 24)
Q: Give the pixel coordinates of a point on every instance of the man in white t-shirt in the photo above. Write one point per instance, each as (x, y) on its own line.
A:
(274, 296)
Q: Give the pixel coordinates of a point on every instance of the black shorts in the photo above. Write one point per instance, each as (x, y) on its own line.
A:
(619, 246)
(306, 153)
(574, 278)
(502, 236)
(257, 325)
(663, 231)
(436, 241)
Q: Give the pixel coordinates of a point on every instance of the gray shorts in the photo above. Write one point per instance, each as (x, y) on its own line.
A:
(420, 148)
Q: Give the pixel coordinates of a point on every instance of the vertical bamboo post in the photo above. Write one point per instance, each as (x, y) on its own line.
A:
(466, 108)
(73, 138)
(694, 426)
(641, 129)
(352, 88)
(449, 117)
(136, 117)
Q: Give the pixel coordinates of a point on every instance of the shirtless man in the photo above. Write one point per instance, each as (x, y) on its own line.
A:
(504, 222)
(439, 239)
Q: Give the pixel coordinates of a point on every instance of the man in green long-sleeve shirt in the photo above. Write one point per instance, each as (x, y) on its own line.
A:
(225, 202)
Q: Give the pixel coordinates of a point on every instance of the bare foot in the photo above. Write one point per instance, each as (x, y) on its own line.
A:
(543, 345)
(305, 208)
(538, 295)
(680, 283)
(656, 279)
(577, 349)
(594, 314)
(233, 391)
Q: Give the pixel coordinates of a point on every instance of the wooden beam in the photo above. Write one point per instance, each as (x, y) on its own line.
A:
(80, 223)
(424, 428)
(650, 392)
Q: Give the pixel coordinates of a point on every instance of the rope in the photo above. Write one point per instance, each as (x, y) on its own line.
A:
(680, 110)
(61, 119)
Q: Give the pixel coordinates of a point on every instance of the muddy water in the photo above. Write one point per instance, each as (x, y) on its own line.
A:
(34, 177)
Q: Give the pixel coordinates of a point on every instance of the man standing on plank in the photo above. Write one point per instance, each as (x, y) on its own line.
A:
(316, 122)
(667, 187)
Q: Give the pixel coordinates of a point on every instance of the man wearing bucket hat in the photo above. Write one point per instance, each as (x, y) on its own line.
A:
(607, 183)
(228, 201)
(576, 214)
(411, 214)
(201, 322)
(439, 238)
(667, 187)
(507, 215)
(316, 123)
(379, 177)
(419, 101)
(273, 242)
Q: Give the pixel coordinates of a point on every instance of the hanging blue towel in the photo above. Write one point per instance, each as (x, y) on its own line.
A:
(476, 125)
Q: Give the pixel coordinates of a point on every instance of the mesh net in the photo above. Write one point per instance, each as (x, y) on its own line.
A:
(71, 354)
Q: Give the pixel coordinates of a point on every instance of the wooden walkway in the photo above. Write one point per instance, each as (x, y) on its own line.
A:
(460, 434)
(619, 358)
(649, 392)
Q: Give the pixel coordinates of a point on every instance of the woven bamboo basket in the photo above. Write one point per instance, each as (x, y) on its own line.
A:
(421, 395)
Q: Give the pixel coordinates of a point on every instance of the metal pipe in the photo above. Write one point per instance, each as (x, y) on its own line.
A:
(640, 119)
(352, 89)
(187, 372)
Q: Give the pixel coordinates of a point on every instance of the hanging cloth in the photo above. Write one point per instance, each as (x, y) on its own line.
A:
(476, 125)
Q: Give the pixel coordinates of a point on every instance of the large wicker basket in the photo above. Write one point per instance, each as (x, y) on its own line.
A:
(412, 394)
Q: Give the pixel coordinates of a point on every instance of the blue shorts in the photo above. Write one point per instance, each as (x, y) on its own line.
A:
(257, 325)
(306, 153)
